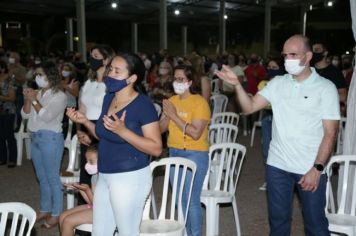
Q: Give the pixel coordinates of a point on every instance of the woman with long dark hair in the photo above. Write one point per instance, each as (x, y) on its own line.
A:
(128, 132)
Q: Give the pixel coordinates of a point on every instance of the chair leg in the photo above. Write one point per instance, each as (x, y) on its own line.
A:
(154, 207)
(28, 148)
(210, 217)
(253, 135)
(19, 142)
(70, 199)
(217, 220)
(236, 214)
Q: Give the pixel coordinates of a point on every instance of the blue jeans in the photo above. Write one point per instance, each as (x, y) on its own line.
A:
(280, 189)
(266, 129)
(119, 200)
(201, 159)
(46, 152)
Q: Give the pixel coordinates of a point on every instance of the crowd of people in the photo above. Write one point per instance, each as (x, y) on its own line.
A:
(111, 100)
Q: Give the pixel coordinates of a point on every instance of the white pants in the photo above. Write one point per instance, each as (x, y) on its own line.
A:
(119, 200)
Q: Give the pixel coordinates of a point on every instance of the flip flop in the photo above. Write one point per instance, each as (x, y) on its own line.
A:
(47, 225)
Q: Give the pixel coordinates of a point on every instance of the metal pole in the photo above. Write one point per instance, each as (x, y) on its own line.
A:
(69, 26)
(267, 39)
(304, 19)
(222, 27)
(134, 37)
(163, 24)
(80, 4)
(184, 39)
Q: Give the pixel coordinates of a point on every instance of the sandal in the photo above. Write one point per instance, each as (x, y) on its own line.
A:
(50, 222)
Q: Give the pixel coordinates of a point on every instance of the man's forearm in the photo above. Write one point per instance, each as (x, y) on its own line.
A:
(244, 99)
(326, 148)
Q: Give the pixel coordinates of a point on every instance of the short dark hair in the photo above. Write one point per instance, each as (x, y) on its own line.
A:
(106, 51)
(322, 43)
(51, 71)
(92, 147)
(3, 65)
(190, 74)
(135, 66)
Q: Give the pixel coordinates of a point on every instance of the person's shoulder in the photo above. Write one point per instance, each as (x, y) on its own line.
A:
(197, 98)
(324, 82)
(144, 98)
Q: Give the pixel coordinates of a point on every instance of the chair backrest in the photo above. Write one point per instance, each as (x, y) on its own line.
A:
(341, 200)
(219, 103)
(67, 141)
(225, 118)
(158, 108)
(73, 153)
(215, 86)
(222, 133)
(19, 212)
(228, 158)
(175, 171)
(340, 136)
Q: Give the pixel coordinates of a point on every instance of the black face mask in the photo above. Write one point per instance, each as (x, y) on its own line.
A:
(317, 56)
(95, 64)
(253, 60)
(346, 65)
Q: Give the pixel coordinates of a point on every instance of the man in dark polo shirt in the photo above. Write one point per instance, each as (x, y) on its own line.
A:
(329, 71)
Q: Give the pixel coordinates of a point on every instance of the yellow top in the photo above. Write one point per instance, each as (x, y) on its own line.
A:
(195, 107)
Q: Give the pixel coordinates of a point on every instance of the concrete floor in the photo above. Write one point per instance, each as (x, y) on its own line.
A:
(19, 184)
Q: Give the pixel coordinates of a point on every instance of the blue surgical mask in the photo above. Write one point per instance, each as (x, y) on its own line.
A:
(114, 85)
(274, 72)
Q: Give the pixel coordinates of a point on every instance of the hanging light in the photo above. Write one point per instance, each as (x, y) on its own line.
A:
(225, 17)
(330, 3)
(176, 12)
(114, 5)
(310, 7)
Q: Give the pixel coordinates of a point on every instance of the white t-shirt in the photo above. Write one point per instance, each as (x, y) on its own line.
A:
(92, 97)
(298, 111)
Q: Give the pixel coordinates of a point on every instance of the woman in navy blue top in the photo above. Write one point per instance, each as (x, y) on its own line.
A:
(128, 132)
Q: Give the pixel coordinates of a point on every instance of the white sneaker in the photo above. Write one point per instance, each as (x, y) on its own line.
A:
(263, 187)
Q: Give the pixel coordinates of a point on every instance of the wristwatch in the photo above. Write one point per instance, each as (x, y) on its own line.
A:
(34, 102)
(319, 167)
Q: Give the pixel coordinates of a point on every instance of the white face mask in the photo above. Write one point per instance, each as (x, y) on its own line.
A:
(293, 66)
(37, 62)
(147, 64)
(11, 60)
(91, 169)
(163, 71)
(65, 73)
(41, 81)
(335, 63)
(180, 88)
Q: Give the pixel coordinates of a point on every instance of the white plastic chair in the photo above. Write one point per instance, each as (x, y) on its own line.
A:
(225, 118)
(158, 108)
(68, 140)
(21, 136)
(20, 212)
(341, 210)
(231, 157)
(340, 136)
(73, 156)
(222, 133)
(256, 124)
(219, 103)
(171, 219)
(215, 86)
